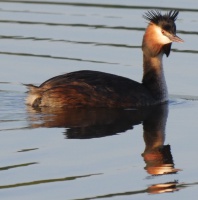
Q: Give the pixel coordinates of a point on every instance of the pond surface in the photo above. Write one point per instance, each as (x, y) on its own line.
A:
(95, 154)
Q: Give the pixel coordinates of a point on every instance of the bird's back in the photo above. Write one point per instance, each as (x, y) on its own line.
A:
(91, 89)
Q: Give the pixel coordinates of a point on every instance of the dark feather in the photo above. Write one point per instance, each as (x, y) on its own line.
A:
(156, 17)
(167, 49)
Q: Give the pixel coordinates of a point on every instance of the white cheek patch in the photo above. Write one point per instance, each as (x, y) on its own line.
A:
(160, 37)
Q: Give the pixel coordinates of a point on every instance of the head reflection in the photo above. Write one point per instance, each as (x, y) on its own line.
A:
(157, 156)
(94, 123)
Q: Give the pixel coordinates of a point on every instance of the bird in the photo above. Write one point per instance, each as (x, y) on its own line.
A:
(95, 89)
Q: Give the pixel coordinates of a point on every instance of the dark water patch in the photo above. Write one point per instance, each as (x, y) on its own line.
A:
(46, 181)
(5, 82)
(28, 38)
(25, 150)
(16, 166)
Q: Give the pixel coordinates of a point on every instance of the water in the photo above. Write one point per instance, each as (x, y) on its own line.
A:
(94, 154)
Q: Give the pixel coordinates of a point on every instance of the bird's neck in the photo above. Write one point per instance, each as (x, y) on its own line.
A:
(153, 77)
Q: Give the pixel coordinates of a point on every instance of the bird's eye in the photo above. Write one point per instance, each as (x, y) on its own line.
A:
(163, 32)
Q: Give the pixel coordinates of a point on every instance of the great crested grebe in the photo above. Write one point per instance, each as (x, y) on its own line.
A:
(98, 89)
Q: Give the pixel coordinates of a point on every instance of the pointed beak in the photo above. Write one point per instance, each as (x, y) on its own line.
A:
(175, 38)
(172, 37)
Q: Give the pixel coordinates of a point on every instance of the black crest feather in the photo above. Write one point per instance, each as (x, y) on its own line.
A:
(155, 16)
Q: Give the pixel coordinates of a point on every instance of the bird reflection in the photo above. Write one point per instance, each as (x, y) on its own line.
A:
(93, 123)
(163, 187)
(157, 156)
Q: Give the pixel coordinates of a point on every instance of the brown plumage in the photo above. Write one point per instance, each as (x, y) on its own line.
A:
(98, 89)
(90, 89)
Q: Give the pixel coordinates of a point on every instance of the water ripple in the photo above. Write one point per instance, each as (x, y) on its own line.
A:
(16, 166)
(56, 57)
(46, 181)
(97, 5)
